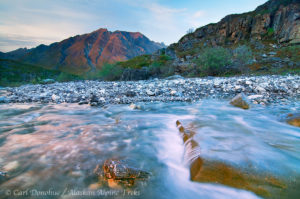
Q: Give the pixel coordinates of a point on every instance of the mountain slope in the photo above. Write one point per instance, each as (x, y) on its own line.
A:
(86, 52)
(277, 21)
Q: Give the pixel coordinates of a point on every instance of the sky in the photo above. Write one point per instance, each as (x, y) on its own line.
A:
(28, 23)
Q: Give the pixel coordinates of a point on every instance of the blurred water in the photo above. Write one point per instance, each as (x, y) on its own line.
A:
(57, 147)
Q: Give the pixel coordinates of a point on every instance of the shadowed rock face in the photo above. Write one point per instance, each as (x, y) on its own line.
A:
(89, 51)
(210, 171)
(275, 20)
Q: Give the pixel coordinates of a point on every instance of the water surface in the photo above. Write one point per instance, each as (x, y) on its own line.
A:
(55, 148)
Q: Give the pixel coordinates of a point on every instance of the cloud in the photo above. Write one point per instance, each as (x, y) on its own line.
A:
(59, 12)
(47, 21)
(199, 14)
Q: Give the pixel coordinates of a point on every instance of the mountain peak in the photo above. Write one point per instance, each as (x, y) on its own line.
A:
(90, 51)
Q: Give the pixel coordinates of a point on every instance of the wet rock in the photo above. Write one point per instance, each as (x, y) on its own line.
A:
(120, 171)
(240, 101)
(134, 106)
(214, 171)
(293, 119)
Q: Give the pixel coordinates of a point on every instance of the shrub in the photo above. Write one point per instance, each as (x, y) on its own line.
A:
(161, 66)
(242, 57)
(243, 54)
(65, 77)
(292, 52)
(110, 72)
(213, 61)
(136, 62)
(270, 32)
(190, 30)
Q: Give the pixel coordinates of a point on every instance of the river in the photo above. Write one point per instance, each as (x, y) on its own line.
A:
(51, 150)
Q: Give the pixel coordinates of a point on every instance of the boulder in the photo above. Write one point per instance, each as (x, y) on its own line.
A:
(121, 171)
(293, 119)
(241, 101)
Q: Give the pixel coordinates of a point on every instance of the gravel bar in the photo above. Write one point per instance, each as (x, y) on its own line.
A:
(259, 89)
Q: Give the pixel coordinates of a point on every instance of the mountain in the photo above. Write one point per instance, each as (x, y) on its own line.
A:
(87, 52)
(276, 21)
(15, 54)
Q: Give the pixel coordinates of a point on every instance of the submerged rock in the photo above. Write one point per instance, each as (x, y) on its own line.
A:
(240, 101)
(214, 171)
(120, 171)
(293, 119)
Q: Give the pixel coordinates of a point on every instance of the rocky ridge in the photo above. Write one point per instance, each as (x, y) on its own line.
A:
(276, 20)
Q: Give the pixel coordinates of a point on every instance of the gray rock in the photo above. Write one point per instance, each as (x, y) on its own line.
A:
(150, 93)
(240, 101)
(130, 94)
(4, 100)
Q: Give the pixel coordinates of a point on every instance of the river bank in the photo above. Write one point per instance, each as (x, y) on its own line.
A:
(260, 90)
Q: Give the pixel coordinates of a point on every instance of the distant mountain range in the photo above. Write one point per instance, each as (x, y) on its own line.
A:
(86, 52)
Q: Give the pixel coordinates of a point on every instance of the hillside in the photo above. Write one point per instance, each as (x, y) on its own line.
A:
(276, 21)
(263, 41)
(14, 73)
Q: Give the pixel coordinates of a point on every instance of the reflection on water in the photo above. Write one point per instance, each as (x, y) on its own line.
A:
(57, 147)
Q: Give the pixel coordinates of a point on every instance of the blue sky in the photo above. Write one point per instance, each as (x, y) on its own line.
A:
(28, 23)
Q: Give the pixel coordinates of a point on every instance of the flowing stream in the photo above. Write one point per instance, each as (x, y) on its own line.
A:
(50, 151)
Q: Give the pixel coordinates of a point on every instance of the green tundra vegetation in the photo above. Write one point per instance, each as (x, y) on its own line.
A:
(207, 61)
(14, 73)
